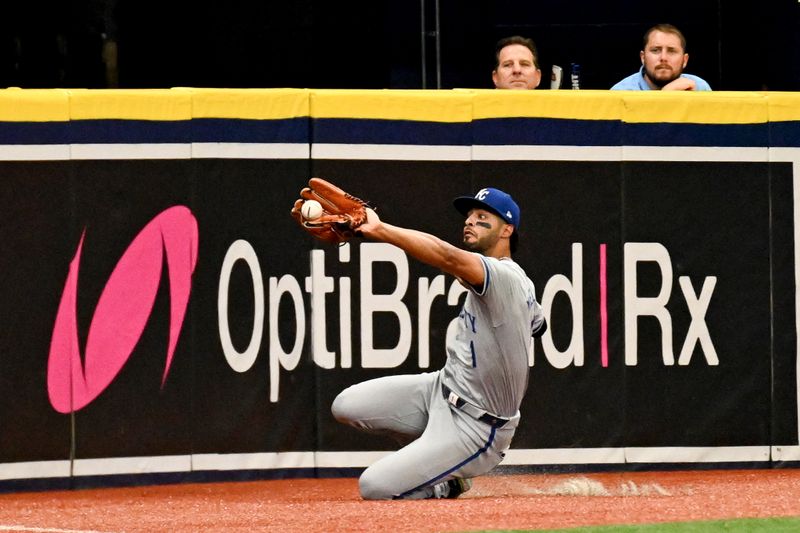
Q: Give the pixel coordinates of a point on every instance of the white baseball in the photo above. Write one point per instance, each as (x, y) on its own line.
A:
(311, 210)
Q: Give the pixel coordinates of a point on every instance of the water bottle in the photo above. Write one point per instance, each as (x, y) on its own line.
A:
(555, 77)
(575, 75)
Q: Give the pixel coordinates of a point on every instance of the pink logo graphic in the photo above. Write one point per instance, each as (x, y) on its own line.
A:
(122, 310)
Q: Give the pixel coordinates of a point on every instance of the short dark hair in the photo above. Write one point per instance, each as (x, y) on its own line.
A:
(514, 241)
(664, 28)
(515, 39)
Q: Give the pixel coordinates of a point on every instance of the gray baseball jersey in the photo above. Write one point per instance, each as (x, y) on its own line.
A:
(487, 360)
(440, 416)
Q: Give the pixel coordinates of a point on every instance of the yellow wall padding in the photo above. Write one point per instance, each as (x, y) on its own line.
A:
(431, 106)
(34, 105)
(784, 107)
(695, 107)
(566, 104)
(138, 104)
(256, 104)
(444, 106)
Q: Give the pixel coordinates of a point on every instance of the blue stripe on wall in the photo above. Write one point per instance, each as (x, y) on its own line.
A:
(370, 131)
(292, 130)
(34, 133)
(496, 131)
(784, 134)
(671, 134)
(547, 131)
(129, 131)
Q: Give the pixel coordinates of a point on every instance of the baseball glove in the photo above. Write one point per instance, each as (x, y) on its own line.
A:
(342, 213)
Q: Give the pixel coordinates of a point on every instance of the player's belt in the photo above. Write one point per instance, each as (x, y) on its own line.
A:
(475, 412)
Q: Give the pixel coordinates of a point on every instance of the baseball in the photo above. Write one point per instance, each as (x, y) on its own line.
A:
(311, 210)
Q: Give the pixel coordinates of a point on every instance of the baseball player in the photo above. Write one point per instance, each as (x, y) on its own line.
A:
(455, 423)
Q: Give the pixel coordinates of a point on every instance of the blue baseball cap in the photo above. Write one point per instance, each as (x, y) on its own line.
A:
(494, 200)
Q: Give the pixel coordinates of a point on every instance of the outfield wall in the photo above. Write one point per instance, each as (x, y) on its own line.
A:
(164, 318)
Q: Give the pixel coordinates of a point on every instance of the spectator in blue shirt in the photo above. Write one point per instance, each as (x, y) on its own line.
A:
(663, 59)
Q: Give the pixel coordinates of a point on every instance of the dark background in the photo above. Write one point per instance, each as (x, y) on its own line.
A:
(378, 43)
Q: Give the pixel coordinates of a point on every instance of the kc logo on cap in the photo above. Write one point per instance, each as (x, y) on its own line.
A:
(492, 199)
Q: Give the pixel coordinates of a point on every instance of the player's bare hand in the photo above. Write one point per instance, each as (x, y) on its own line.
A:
(368, 228)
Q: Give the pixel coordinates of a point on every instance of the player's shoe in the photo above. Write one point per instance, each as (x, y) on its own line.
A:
(459, 486)
(452, 489)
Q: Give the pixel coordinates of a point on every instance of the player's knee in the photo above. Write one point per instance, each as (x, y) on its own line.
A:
(374, 487)
(343, 407)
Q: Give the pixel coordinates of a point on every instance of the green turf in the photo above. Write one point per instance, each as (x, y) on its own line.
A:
(746, 525)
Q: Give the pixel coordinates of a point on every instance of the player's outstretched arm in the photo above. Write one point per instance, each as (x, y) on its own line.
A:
(427, 248)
